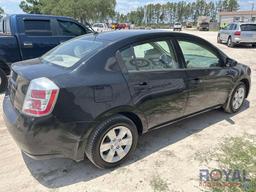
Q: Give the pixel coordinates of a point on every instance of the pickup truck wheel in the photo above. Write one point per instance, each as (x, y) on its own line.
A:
(3, 81)
(111, 142)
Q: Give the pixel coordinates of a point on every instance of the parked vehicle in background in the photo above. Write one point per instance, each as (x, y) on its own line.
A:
(97, 93)
(237, 34)
(25, 36)
(203, 23)
(123, 26)
(100, 27)
(177, 26)
(189, 24)
(114, 26)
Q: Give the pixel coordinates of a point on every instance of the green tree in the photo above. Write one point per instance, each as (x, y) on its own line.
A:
(84, 10)
(31, 6)
(230, 5)
(1, 10)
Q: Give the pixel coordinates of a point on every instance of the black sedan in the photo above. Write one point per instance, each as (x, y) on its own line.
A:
(94, 95)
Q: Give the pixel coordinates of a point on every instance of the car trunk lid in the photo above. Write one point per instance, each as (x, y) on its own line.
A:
(21, 75)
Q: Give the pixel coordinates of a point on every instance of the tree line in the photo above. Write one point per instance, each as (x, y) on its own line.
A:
(102, 10)
(178, 11)
(84, 10)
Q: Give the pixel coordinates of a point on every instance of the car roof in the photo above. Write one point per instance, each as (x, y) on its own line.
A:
(119, 35)
(38, 15)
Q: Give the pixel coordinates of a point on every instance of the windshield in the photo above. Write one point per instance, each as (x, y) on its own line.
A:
(248, 27)
(69, 53)
(177, 24)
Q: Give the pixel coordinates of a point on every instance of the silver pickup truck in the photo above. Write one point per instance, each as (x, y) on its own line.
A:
(238, 33)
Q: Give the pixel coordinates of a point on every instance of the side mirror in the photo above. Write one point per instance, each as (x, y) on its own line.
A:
(230, 62)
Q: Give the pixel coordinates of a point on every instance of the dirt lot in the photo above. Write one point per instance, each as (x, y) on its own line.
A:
(163, 161)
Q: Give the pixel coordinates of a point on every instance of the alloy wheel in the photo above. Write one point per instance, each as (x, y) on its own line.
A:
(116, 144)
(238, 98)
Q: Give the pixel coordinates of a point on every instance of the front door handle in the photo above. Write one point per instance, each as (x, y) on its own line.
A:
(143, 83)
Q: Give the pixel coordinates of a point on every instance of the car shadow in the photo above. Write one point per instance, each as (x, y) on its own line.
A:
(55, 173)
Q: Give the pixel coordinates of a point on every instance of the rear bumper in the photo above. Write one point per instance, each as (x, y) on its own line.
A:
(43, 138)
(239, 40)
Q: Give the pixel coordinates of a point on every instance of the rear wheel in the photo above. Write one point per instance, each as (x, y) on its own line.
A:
(218, 39)
(112, 142)
(230, 42)
(3, 81)
(237, 98)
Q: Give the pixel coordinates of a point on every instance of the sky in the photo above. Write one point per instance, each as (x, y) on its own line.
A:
(123, 6)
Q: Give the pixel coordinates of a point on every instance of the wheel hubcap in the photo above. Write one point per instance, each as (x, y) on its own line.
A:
(238, 98)
(116, 144)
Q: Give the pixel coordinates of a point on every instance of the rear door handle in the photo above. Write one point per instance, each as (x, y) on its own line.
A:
(28, 44)
(196, 80)
(141, 86)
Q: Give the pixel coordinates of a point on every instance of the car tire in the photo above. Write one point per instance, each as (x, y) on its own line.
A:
(230, 42)
(3, 81)
(218, 39)
(236, 100)
(106, 147)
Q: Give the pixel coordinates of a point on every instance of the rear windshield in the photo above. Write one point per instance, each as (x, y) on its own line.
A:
(70, 52)
(248, 27)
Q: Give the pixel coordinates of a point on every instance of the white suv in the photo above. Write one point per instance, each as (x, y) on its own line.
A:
(177, 26)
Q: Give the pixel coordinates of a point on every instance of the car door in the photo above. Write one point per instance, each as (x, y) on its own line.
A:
(37, 36)
(156, 80)
(209, 80)
(224, 34)
(68, 29)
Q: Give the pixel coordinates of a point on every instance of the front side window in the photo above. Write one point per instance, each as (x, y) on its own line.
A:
(37, 27)
(198, 56)
(151, 56)
(70, 52)
(68, 28)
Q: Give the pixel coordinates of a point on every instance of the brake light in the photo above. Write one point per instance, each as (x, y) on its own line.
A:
(237, 33)
(40, 98)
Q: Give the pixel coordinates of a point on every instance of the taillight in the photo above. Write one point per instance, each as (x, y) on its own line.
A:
(41, 97)
(237, 33)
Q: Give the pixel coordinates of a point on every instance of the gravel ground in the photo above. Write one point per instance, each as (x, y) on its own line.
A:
(165, 159)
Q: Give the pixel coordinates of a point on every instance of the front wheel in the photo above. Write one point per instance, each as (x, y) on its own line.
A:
(236, 99)
(3, 81)
(112, 142)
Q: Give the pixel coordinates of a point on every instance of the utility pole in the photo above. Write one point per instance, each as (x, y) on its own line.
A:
(252, 10)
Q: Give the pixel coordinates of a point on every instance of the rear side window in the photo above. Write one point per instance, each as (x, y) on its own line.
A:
(248, 27)
(70, 52)
(68, 28)
(151, 56)
(37, 27)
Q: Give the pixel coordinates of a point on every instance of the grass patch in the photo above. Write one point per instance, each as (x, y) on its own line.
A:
(236, 153)
(158, 184)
